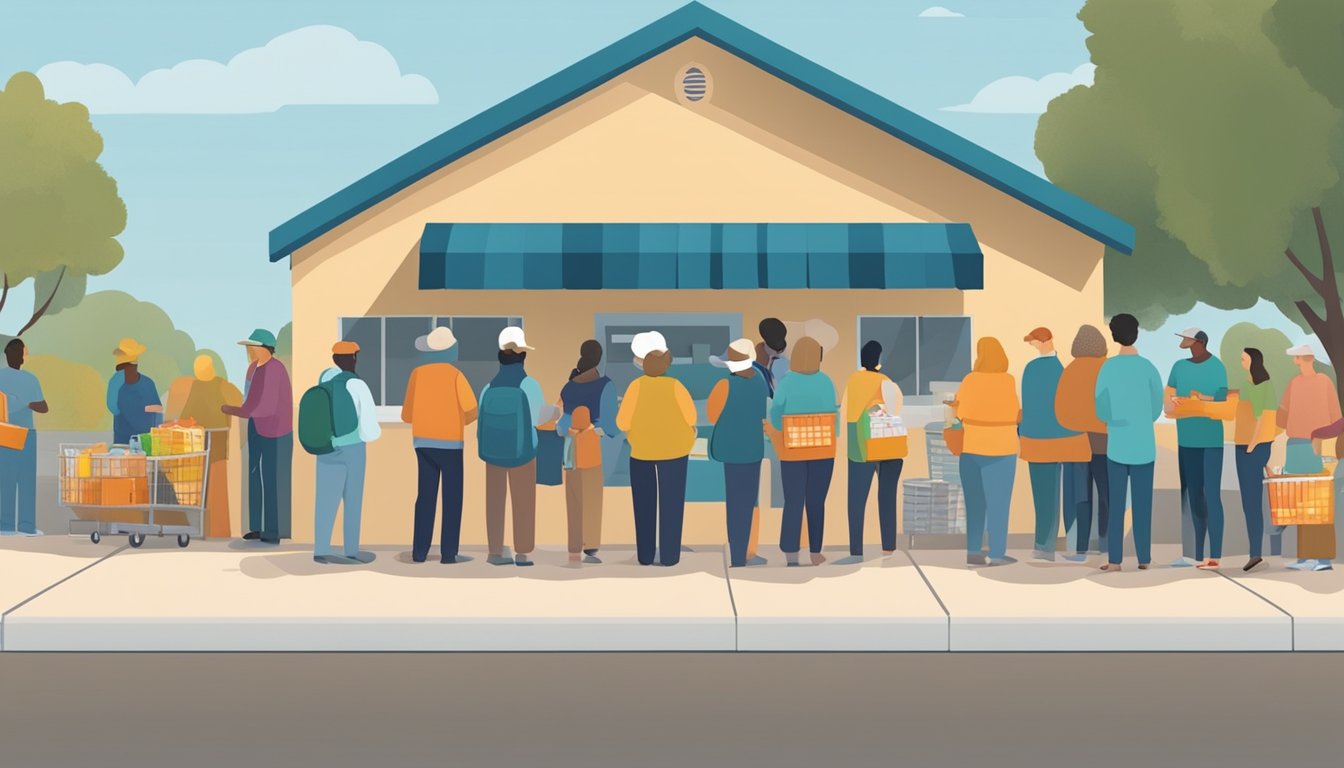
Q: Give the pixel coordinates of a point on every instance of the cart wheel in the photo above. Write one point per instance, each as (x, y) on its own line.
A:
(95, 537)
(183, 539)
(137, 539)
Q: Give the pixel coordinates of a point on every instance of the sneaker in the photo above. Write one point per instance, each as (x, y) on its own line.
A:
(592, 560)
(9, 533)
(976, 559)
(1324, 566)
(1254, 561)
(499, 560)
(335, 560)
(1302, 565)
(363, 557)
(850, 560)
(251, 536)
(756, 560)
(1005, 560)
(1080, 557)
(34, 532)
(456, 560)
(1183, 562)
(522, 560)
(1041, 554)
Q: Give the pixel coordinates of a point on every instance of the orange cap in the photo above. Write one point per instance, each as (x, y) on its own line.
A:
(344, 348)
(1039, 334)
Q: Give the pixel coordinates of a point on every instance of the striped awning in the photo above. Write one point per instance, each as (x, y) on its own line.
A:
(472, 256)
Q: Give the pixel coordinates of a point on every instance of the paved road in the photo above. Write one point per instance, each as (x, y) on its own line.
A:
(783, 710)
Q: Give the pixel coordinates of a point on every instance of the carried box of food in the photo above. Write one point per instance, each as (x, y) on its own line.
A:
(176, 438)
(1196, 405)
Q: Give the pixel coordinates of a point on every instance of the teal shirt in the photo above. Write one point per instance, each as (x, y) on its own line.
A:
(804, 393)
(1040, 382)
(1206, 378)
(1129, 400)
(736, 438)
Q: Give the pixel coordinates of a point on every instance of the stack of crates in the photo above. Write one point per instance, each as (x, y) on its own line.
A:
(934, 505)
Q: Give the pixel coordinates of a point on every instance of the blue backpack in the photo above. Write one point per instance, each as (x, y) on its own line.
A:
(504, 427)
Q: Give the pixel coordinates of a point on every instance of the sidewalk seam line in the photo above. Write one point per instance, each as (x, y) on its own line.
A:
(1292, 620)
(732, 601)
(63, 580)
(909, 556)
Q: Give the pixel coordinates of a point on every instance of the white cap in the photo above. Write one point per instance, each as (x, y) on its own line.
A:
(512, 339)
(1302, 350)
(644, 343)
(436, 340)
(742, 347)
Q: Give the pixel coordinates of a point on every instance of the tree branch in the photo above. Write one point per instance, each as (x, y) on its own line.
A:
(42, 310)
(1314, 320)
(1327, 258)
(4, 293)
(1317, 284)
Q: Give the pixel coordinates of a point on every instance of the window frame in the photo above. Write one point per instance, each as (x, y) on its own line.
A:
(918, 396)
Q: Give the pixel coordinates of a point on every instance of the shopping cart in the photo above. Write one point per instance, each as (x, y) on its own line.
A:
(135, 494)
(1301, 499)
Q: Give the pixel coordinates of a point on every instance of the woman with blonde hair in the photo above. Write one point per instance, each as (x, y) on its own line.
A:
(988, 407)
(805, 391)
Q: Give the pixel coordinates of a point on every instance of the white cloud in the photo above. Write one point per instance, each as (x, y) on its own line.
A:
(1017, 95)
(310, 65)
(939, 12)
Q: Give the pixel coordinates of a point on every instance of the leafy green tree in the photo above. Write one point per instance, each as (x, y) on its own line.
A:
(59, 209)
(1217, 129)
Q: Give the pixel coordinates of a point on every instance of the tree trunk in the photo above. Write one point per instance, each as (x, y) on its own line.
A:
(42, 310)
(1329, 329)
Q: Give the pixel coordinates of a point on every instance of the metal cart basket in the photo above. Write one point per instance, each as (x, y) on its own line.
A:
(135, 494)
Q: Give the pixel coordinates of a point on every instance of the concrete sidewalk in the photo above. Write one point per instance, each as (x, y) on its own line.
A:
(67, 594)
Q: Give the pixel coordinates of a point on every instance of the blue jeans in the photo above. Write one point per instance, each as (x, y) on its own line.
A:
(1201, 471)
(860, 483)
(1045, 493)
(741, 483)
(987, 482)
(1079, 480)
(658, 493)
(1251, 478)
(1137, 479)
(806, 484)
(268, 469)
(435, 465)
(18, 484)
(340, 479)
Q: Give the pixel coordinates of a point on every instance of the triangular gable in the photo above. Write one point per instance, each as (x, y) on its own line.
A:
(696, 20)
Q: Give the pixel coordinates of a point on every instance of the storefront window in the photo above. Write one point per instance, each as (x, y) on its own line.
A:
(919, 350)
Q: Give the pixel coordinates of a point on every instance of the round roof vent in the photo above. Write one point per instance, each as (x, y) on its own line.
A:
(694, 84)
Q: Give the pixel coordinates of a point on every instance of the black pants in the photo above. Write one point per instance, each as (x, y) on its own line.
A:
(741, 483)
(658, 492)
(860, 482)
(805, 486)
(440, 469)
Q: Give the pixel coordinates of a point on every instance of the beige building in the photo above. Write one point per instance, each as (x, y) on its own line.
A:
(722, 179)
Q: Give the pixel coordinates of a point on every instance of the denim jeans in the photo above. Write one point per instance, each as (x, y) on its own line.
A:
(18, 486)
(658, 493)
(340, 482)
(1201, 472)
(806, 484)
(1045, 491)
(860, 483)
(1079, 501)
(987, 482)
(741, 483)
(1137, 479)
(440, 474)
(268, 470)
(1251, 478)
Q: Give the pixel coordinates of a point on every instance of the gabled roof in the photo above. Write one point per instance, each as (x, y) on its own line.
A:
(696, 20)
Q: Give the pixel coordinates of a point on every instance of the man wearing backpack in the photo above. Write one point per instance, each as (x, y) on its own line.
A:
(336, 419)
(506, 431)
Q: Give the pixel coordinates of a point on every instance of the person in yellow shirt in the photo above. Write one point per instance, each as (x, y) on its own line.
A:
(658, 416)
(989, 409)
(200, 397)
(869, 389)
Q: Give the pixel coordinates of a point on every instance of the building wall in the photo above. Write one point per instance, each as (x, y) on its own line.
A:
(629, 151)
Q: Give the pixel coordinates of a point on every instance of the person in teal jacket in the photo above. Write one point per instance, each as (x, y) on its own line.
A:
(737, 409)
(806, 390)
(1045, 442)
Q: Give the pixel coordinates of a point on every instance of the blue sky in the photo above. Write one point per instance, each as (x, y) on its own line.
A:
(203, 190)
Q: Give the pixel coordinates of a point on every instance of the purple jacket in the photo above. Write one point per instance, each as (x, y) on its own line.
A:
(270, 401)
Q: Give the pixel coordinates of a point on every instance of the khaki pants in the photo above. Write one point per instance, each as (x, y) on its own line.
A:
(583, 506)
(521, 484)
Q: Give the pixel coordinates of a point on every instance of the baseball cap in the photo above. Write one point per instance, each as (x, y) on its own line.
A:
(644, 343)
(344, 348)
(1194, 334)
(1040, 333)
(259, 338)
(437, 340)
(1301, 350)
(512, 339)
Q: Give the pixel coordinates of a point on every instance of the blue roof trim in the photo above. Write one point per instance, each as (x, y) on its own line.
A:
(698, 256)
(696, 20)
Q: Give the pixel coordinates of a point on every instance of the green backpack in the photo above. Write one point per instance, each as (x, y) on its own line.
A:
(326, 411)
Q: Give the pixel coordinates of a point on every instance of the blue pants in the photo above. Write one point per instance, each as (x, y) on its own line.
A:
(1079, 480)
(1251, 478)
(806, 484)
(340, 479)
(18, 483)
(658, 493)
(860, 483)
(987, 482)
(440, 471)
(268, 476)
(1201, 471)
(1138, 480)
(741, 483)
(1045, 492)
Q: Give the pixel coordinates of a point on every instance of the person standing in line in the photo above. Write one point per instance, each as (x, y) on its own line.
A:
(658, 416)
(587, 388)
(762, 367)
(18, 469)
(511, 411)
(439, 405)
(1046, 445)
(340, 473)
(269, 409)
(132, 397)
(1076, 406)
(200, 397)
(868, 390)
(1129, 400)
(805, 391)
(737, 409)
(989, 409)
(1199, 441)
(1310, 403)
(1254, 432)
